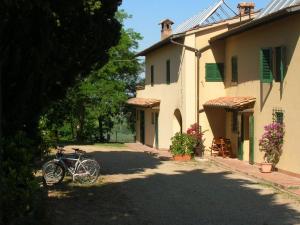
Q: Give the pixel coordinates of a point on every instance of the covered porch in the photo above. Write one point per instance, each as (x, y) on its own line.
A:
(231, 120)
(146, 118)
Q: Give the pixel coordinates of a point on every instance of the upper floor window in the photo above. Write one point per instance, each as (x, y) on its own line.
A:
(214, 72)
(152, 75)
(266, 71)
(280, 63)
(234, 69)
(168, 72)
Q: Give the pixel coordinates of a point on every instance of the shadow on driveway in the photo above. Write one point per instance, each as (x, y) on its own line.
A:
(184, 197)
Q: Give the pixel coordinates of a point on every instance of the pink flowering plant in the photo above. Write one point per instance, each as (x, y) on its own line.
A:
(271, 142)
(195, 132)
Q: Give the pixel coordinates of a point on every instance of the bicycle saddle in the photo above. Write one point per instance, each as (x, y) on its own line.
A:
(77, 150)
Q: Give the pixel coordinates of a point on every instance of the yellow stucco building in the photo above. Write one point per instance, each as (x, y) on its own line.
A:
(233, 76)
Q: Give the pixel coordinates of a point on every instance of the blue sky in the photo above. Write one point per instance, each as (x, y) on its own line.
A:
(146, 14)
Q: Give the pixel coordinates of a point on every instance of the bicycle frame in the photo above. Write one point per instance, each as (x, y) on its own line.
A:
(78, 161)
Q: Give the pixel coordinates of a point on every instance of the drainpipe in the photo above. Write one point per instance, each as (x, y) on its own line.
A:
(198, 53)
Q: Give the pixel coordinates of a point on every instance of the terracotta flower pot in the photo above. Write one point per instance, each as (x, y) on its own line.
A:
(182, 157)
(266, 167)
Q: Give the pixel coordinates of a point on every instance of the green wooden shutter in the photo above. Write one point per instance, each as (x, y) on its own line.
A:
(234, 69)
(168, 72)
(280, 63)
(266, 74)
(283, 68)
(283, 64)
(214, 72)
(251, 137)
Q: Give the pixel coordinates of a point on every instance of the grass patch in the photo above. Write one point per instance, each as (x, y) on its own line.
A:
(111, 145)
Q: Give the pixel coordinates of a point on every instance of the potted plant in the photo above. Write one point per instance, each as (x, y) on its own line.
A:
(195, 132)
(182, 147)
(271, 144)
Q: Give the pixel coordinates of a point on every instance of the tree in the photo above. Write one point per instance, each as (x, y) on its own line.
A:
(45, 48)
(101, 96)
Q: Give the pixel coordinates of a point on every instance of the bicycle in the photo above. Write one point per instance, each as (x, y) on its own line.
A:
(81, 168)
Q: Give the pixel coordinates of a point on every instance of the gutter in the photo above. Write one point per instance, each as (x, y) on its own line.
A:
(198, 53)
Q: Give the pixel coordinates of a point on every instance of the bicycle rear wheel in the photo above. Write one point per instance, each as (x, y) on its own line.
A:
(53, 172)
(88, 171)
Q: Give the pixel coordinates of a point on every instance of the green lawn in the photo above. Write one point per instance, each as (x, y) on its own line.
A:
(111, 145)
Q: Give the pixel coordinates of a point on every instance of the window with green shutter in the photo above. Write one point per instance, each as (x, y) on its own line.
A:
(266, 73)
(214, 72)
(168, 72)
(280, 62)
(234, 69)
(152, 75)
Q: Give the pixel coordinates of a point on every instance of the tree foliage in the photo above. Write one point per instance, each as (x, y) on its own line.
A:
(45, 48)
(91, 107)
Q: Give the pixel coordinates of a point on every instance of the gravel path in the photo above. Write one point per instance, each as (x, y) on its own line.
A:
(139, 189)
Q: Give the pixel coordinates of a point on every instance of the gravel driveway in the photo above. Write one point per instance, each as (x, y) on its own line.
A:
(139, 189)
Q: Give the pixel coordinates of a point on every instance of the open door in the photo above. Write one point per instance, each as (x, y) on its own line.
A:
(156, 131)
(142, 126)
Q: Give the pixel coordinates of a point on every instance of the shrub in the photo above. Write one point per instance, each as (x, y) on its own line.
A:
(20, 193)
(182, 144)
(271, 142)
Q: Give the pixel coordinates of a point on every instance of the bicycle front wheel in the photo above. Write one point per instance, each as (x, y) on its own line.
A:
(53, 172)
(88, 171)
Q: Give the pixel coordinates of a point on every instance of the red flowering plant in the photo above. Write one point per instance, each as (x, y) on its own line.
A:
(195, 132)
(271, 142)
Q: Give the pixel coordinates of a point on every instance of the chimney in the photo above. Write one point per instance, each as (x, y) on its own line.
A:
(166, 28)
(246, 8)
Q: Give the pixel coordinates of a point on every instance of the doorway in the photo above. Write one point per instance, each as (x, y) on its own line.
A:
(142, 126)
(156, 131)
(246, 137)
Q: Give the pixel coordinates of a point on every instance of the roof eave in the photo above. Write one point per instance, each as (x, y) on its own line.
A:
(154, 47)
(256, 23)
(160, 44)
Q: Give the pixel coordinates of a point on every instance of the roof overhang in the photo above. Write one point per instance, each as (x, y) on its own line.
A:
(160, 44)
(231, 103)
(258, 22)
(143, 102)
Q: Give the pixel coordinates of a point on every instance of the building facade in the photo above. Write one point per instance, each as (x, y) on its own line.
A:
(232, 77)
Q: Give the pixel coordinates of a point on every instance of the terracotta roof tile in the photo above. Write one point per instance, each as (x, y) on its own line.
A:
(143, 102)
(230, 102)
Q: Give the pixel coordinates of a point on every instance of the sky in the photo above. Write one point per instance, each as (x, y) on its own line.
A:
(146, 14)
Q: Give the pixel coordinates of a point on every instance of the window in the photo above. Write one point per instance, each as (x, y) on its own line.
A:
(234, 121)
(266, 73)
(234, 69)
(214, 72)
(152, 75)
(278, 115)
(280, 63)
(168, 72)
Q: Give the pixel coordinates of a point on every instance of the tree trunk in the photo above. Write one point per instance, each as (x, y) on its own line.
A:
(101, 129)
